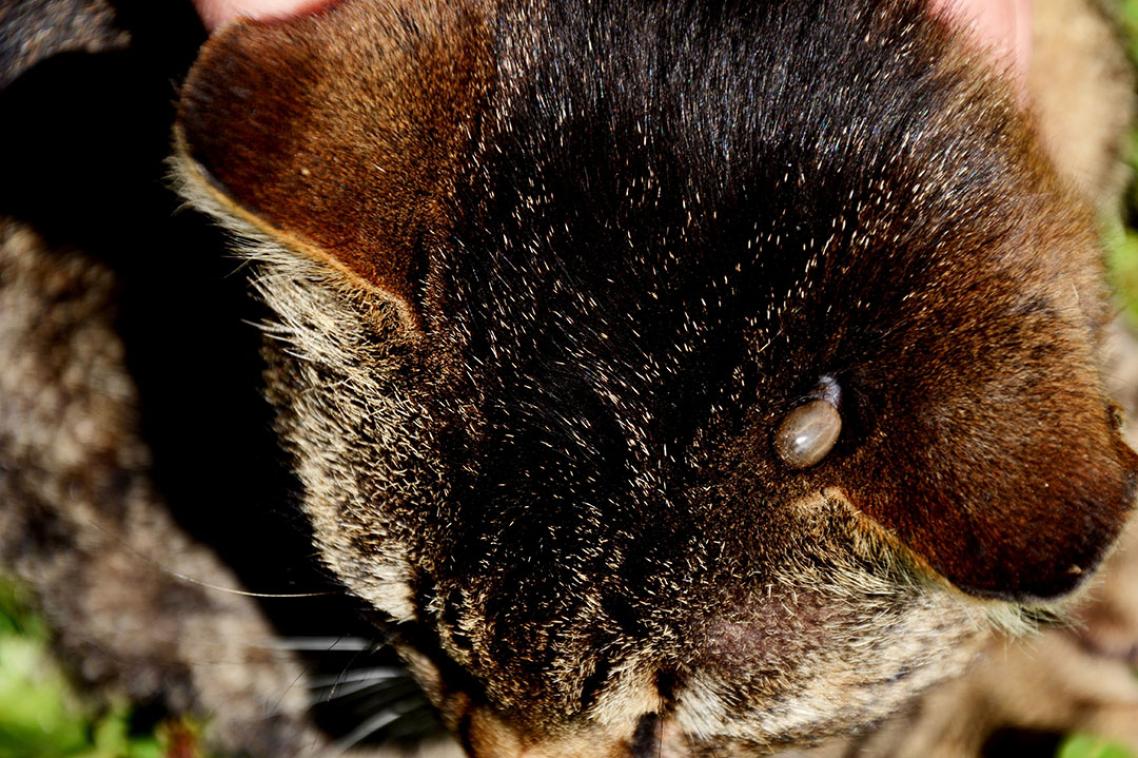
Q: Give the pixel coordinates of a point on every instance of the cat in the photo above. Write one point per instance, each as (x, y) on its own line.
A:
(693, 349)
(678, 379)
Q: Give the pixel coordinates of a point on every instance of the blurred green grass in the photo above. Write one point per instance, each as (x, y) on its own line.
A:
(43, 716)
(1120, 238)
(1085, 746)
(1119, 233)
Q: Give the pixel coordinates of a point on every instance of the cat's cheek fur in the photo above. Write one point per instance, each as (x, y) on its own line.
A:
(825, 604)
(328, 322)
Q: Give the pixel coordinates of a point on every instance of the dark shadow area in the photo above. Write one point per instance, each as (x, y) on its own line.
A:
(84, 139)
(1021, 743)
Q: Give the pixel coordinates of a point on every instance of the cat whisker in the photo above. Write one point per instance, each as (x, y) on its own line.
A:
(90, 523)
(377, 674)
(369, 697)
(340, 690)
(372, 725)
(324, 644)
(277, 706)
(240, 592)
(242, 264)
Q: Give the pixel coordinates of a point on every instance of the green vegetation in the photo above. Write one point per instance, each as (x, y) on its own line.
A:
(1122, 238)
(41, 715)
(1120, 235)
(1085, 746)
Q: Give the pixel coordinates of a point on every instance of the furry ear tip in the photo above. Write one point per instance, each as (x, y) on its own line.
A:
(191, 170)
(1031, 529)
(1060, 559)
(314, 132)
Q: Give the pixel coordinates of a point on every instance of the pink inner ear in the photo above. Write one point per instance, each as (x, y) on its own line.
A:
(218, 13)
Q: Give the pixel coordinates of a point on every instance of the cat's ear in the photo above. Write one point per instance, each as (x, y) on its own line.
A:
(1015, 481)
(339, 135)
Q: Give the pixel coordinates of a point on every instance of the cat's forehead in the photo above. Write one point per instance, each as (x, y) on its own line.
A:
(635, 256)
(709, 106)
(623, 164)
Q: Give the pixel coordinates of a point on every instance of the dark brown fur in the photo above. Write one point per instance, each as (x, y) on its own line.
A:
(575, 499)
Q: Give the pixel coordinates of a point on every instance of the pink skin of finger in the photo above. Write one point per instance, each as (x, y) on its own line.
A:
(1003, 27)
(218, 13)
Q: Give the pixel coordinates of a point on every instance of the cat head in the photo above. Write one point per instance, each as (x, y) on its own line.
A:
(707, 374)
